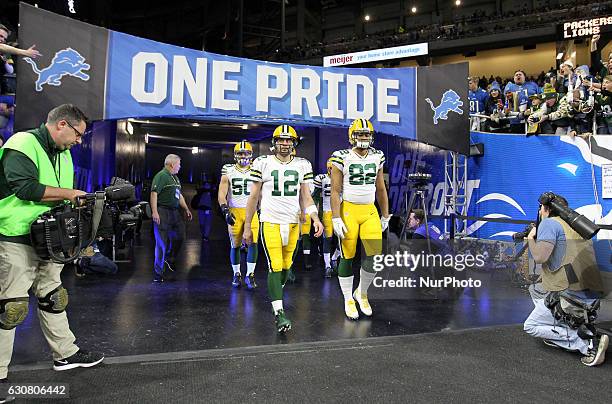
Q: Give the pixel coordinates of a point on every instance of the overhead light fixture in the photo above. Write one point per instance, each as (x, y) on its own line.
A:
(129, 128)
(367, 17)
(195, 124)
(413, 9)
(71, 7)
(194, 150)
(457, 2)
(559, 55)
(245, 126)
(146, 138)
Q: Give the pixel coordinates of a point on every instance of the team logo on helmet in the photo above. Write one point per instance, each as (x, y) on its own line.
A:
(361, 127)
(243, 153)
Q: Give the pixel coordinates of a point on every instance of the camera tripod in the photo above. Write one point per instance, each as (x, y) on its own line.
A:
(409, 203)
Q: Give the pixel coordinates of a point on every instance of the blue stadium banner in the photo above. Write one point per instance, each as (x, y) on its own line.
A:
(112, 75)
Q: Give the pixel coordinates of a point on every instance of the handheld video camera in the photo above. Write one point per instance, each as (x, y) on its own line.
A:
(63, 232)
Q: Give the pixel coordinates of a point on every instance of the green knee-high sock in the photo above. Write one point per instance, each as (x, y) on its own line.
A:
(275, 285)
(367, 264)
(345, 267)
(235, 256)
(284, 275)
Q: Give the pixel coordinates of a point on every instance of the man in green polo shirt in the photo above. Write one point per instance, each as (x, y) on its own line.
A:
(168, 225)
(36, 173)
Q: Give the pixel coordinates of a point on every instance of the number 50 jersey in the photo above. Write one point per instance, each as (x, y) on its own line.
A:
(359, 174)
(280, 193)
(239, 185)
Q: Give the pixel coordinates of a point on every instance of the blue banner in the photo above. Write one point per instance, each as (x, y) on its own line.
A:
(147, 78)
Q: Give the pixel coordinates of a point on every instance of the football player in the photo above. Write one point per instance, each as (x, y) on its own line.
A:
(281, 180)
(322, 184)
(233, 195)
(357, 175)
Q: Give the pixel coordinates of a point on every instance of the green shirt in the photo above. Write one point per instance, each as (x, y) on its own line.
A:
(168, 189)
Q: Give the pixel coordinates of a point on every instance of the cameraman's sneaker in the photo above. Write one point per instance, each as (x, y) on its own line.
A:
(81, 359)
(597, 355)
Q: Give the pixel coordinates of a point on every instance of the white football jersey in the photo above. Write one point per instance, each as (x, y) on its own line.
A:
(323, 182)
(359, 174)
(239, 185)
(280, 193)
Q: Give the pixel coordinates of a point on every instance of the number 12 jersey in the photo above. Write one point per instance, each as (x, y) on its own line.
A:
(280, 192)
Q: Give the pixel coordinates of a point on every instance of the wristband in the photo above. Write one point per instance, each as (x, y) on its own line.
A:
(311, 209)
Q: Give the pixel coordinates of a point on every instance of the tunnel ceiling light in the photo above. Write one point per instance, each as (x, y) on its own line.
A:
(194, 150)
(367, 17)
(413, 9)
(457, 2)
(129, 128)
(245, 126)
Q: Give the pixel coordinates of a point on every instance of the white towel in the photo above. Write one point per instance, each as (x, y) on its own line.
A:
(284, 232)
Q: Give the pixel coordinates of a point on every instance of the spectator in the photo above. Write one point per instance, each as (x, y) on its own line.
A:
(603, 107)
(7, 116)
(554, 115)
(494, 108)
(477, 97)
(517, 93)
(568, 80)
(31, 52)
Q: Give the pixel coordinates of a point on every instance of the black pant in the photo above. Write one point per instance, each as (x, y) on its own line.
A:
(169, 236)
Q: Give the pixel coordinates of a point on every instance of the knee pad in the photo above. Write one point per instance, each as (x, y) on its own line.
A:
(13, 312)
(54, 301)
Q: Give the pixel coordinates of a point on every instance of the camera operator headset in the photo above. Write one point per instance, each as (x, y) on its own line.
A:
(36, 172)
(571, 278)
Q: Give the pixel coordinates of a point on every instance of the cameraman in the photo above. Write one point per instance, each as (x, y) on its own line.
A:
(568, 267)
(36, 172)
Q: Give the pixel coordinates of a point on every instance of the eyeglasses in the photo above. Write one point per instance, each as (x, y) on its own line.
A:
(79, 134)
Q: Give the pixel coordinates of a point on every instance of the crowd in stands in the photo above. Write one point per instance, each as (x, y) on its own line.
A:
(571, 101)
(478, 24)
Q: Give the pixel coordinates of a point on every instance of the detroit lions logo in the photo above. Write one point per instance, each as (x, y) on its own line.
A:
(66, 62)
(450, 102)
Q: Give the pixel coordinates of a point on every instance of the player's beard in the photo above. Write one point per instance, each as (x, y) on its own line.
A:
(284, 150)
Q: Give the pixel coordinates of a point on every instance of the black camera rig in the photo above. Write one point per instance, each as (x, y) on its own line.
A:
(63, 232)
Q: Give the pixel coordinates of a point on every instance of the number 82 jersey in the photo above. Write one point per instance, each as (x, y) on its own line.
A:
(359, 174)
(280, 192)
